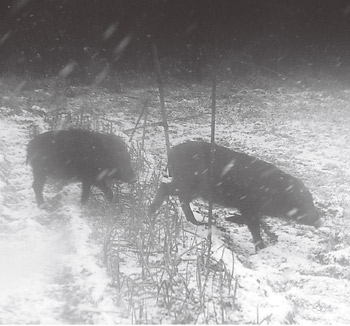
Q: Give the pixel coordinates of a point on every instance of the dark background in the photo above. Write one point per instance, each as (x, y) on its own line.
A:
(43, 36)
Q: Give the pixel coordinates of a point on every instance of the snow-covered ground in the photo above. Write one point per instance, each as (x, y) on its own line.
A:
(52, 268)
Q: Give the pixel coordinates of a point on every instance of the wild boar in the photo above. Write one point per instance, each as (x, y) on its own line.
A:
(254, 187)
(79, 155)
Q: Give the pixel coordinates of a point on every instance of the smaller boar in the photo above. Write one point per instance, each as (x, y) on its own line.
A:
(79, 155)
(254, 187)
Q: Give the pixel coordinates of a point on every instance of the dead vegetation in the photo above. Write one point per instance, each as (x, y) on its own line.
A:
(158, 264)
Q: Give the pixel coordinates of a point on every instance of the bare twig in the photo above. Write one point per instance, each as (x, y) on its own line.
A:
(211, 167)
(144, 109)
(161, 123)
(161, 96)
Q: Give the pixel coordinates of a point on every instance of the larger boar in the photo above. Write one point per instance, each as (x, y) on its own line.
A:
(254, 187)
(89, 157)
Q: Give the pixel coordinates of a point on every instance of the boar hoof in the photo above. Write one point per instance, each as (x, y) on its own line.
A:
(259, 245)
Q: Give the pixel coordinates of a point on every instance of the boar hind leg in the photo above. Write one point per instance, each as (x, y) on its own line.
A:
(185, 197)
(168, 189)
(186, 208)
(38, 186)
(253, 223)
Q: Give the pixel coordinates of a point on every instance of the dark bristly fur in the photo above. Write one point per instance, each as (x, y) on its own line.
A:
(82, 155)
(255, 187)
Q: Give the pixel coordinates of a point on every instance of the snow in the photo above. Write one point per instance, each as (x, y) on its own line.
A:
(53, 268)
(50, 271)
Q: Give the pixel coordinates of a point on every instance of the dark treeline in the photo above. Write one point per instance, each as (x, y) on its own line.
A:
(43, 36)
